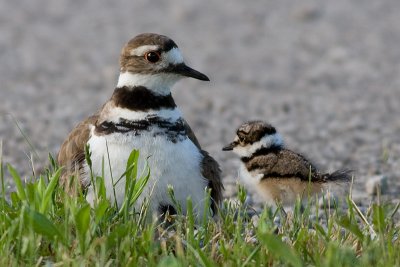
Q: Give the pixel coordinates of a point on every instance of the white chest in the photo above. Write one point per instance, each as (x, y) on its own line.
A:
(252, 181)
(249, 179)
(176, 164)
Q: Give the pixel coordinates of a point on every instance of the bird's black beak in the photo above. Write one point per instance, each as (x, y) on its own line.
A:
(187, 71)
(229, 147)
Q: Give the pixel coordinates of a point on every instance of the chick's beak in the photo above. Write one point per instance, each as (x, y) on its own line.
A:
(229, 147)
(187, 71)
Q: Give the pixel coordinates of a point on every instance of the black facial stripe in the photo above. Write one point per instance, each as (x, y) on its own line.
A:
(140, 98)
(269, 130)
(173, 131)
(263, 151)
(169, 45)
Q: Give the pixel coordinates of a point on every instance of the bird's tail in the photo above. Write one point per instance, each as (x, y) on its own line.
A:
(339, 176)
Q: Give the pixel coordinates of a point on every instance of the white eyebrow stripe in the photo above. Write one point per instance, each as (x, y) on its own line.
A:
(139, 51)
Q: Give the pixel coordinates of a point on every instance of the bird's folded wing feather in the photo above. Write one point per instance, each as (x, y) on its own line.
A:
(210, 168)
(284, 163)
(72, 151)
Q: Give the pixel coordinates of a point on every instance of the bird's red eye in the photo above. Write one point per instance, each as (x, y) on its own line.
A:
(152, 56)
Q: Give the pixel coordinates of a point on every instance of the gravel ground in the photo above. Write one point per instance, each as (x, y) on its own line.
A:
(325, 73)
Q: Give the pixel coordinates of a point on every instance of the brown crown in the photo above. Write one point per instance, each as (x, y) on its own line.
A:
(137, 64)
(253, 131)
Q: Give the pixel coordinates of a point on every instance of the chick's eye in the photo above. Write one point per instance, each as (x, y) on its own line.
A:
(241, 138)
(152, 56)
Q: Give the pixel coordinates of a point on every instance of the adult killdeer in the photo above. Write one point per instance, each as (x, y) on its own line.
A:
(141, 114)
(276, 173)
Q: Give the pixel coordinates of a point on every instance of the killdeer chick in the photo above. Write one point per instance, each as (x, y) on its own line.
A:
(141, 114)
(276, 173)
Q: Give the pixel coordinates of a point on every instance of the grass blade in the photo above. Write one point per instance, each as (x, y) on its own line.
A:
(279, 249)
(346, 223)
(50, 190)
(18, 182)
(140, 185)
(82, 219)
(43, 226)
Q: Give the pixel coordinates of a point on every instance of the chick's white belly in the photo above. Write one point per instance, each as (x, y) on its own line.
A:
(284, 190)
(176, 164)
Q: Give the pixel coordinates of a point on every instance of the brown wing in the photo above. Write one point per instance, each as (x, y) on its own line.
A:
(284, 163)
(191, 134)
(210, 170)
(72, 151)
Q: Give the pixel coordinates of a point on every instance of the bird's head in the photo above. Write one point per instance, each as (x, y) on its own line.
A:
(155, 62)
(253, 136)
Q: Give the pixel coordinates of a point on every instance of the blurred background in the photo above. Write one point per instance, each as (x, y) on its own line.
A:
(326, 74)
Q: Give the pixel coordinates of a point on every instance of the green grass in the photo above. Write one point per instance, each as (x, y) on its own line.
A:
(40, 224)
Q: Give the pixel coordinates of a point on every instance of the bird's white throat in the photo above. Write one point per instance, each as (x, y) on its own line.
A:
(159, 83)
